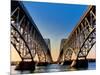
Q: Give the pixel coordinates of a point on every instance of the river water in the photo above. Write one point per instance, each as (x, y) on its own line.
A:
(52, 68)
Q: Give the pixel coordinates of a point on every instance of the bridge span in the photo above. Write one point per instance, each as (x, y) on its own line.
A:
(26, 37)
(80, 41)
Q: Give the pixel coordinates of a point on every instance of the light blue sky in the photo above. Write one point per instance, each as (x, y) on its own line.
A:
(55, 21)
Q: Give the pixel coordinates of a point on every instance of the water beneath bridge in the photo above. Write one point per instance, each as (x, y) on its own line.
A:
(52, 68)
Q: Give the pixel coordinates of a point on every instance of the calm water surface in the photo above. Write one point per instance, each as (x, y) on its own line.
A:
(51, 68)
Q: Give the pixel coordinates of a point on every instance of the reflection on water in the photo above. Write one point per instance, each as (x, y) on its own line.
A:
(51, 68)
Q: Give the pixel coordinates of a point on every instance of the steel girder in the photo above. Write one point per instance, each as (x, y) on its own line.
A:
(25, 36)
(83, 36)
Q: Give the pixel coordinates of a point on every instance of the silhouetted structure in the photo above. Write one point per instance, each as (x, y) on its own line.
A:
(81, 39)
(26, 37)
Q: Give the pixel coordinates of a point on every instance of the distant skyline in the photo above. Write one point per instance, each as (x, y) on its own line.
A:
(55, 21)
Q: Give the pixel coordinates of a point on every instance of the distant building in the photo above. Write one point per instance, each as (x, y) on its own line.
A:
(62, 43)
(60, 58)
(48, 43)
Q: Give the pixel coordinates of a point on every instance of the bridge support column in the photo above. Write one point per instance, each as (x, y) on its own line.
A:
(67, 62)
(26, 65)
(81, 64)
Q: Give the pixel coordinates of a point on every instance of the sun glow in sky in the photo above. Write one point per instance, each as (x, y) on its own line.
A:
(55, 21)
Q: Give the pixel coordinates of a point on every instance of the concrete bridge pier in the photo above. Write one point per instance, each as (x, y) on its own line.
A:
(80, 63)
(26, 65)
(67, 62)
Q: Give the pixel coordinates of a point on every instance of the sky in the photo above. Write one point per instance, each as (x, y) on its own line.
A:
(55, 21)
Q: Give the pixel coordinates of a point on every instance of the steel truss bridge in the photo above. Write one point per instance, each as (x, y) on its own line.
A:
(26, 37)
(81, 39)
(28, 41)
